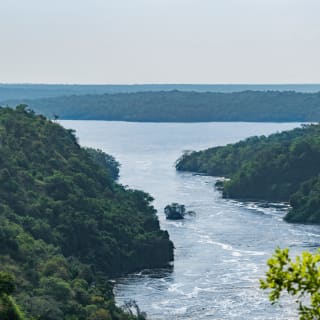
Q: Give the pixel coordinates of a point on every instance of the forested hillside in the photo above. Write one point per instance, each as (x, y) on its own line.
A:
(281, 167)
(66, 226)
(36, 91)
(179, 106)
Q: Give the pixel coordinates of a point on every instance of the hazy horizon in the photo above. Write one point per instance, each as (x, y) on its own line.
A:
(163, 83)
(160, 41)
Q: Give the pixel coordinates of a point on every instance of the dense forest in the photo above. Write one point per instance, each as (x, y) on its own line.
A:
(66, 225)
(36, 91)
(105, 160)
(182, 106)
(282, 167)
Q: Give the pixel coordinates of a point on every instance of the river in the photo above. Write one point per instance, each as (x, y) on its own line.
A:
(221, 252)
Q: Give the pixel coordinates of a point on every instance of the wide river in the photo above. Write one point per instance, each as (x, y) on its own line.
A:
(221, 252)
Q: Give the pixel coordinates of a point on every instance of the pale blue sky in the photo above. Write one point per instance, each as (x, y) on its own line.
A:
(160, 41)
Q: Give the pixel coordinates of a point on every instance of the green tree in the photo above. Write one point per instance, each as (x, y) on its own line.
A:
(7, 285)
(299, 278)
(66, 225)
(8, 308)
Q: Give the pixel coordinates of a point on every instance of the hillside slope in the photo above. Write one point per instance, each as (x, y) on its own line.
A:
(281, 167)
(66, 227)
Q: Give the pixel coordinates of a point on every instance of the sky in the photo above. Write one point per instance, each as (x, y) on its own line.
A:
(159, 41)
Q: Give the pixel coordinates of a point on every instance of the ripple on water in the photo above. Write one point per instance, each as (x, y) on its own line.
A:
(221, 252)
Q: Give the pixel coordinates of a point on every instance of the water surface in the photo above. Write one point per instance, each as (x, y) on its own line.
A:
(221, 251)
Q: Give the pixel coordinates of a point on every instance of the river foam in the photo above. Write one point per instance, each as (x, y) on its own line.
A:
(221, 252)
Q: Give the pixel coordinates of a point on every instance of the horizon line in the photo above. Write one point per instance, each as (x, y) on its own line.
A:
(161, 84)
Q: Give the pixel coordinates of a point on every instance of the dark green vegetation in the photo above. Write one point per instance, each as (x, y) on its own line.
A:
(281, 167)
(179, 106)
(8, 308)
(105, 160)
(66, 226)
(175, 211)
(35, 91)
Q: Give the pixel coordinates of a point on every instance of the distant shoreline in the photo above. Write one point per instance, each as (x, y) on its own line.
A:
(180, 106)
(41, 90)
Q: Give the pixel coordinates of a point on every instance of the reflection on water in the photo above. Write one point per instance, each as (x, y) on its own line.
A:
(221, 251)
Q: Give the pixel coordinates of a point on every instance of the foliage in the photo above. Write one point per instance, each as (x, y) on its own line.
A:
(182, 106)
(281, 167)
(299, 278)
(105, 160)
(8, 308)
(66, 226)
(133, 309)
(305, 203)
(7, 285)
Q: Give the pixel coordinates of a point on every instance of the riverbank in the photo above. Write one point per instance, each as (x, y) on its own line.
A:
(222, 251)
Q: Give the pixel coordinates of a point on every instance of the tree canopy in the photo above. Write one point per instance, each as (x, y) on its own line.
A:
(66, 226)
(281, 167)
(181, 106)
(299, 278)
